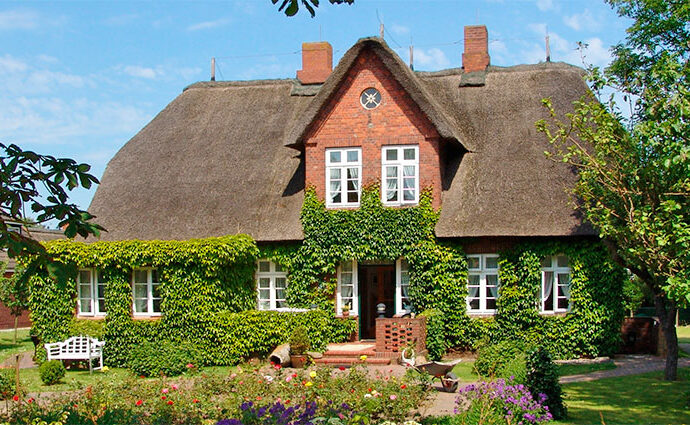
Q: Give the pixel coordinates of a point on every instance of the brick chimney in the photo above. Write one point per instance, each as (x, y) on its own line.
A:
(476, 56)
(317, 62)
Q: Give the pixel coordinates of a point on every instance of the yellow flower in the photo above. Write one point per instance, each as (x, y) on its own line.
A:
(104, 369)
(308, 384)
(363, 357)
(312, 374)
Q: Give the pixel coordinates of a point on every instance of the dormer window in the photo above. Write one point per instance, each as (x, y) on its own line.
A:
(400, 175)
(343, 177)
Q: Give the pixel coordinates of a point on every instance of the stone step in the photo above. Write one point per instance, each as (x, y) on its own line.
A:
(346, 353)
(350, 360)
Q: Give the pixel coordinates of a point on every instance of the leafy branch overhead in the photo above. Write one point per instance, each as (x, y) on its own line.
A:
(291, 7)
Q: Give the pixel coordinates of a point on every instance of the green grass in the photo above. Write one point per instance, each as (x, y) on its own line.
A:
(465, 371)
(683, 334)
(634, 399)
(7, 348)
(578, 369)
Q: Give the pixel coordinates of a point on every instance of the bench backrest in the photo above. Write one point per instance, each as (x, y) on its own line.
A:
(79, 344)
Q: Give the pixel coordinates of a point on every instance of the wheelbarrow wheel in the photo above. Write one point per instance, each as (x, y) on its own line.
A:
(450, 382)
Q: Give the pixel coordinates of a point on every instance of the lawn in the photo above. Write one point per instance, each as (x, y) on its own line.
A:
(683, 334)
(579, 369)
(8, 348)
(635, 399)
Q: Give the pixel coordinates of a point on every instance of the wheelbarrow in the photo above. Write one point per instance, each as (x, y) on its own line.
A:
(442, 372)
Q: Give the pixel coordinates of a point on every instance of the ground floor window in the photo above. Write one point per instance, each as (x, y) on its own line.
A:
(91, 293)
(555, 284)
(271, 281)
(346, 296)
(146, 291)
(402, 295)
(482, 283)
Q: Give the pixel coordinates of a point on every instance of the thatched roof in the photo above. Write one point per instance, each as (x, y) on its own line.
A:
(220, 158)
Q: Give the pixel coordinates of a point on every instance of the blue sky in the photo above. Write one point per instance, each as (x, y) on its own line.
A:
(79, 79)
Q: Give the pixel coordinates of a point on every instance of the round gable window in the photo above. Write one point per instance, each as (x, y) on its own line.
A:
(370, 98)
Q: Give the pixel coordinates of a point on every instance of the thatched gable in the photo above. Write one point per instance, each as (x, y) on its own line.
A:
(217, 160)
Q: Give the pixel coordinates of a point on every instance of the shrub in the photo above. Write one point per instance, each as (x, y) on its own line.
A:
(492, 359)
(162, 358)
(542, 379)
(515, 369)
(500, 402)
(7, 384)
(87, 327)
(436, 341)
(299, 341)
(52, 372)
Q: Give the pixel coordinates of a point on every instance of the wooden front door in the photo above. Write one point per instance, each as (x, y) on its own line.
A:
(376, 286)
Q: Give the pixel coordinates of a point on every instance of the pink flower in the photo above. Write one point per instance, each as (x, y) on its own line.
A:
(288, 379)
(234, 375)
(174, 387)
(393, 396)
(164, 390)
(190, 366)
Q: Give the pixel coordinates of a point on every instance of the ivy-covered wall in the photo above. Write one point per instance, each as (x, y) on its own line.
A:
(209, 292)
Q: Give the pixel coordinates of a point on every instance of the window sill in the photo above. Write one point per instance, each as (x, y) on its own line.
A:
(155, 316)
(480, 314)
(554, 313)
(287, 310)
(342, 207)
(91, 316)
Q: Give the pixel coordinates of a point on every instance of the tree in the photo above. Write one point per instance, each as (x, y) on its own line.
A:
(40, 182)
(293, 5)
(14, 294)
(634, 171)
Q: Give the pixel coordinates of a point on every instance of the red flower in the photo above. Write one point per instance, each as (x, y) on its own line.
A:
(15, 398)
(163, 397)
(277, 367)
(138, 403)
(287, 401)
(294, 375)
(31, 400)
(75, 406)
(170, 402)
(196, 400)
(342, 368)
(258, 397)
(403, 386)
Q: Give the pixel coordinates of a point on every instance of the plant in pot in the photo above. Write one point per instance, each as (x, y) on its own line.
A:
(346, 310)
(299, 345)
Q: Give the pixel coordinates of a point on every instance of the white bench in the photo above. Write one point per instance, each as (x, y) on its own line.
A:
(77, 348)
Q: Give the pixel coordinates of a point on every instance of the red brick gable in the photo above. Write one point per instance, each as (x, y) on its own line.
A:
(343, 122)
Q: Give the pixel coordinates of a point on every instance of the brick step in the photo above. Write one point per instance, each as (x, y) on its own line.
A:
(347, 361)
(344, 353)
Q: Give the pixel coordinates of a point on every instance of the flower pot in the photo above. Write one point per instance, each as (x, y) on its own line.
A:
(298, 360)
(346, 313)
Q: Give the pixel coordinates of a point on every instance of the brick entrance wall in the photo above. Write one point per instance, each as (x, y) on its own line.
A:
(392, 334)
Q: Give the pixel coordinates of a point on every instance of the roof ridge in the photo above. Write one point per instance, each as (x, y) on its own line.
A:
(241, 83)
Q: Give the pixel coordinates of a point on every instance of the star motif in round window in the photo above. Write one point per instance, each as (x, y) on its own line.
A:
(370, 98)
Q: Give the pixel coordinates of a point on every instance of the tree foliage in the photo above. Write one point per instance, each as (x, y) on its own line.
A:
(291, 7)
(634, 171)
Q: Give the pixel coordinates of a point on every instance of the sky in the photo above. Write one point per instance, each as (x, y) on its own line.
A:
(78, 79)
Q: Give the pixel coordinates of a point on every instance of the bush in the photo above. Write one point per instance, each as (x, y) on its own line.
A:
(7, 384)
(299, 341)
(52, 372)
(436, 341)
(542, 378)
(162, 358)
(493, 359)
(87, 327)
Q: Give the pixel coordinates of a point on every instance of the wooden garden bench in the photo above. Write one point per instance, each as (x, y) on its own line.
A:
(77, 348)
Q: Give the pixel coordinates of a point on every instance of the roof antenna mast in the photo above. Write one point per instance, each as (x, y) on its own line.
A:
(213, 69)
(411, 55)
(548, 48)
(380, 24)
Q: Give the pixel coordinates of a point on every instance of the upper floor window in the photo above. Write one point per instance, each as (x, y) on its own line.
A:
(91, 293)
(555, 284)
(343, 177)
(400, 175)
(271, 282)
(482, 283)
(146, 291)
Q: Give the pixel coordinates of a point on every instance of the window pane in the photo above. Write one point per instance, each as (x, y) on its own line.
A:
(408, 154)
(281, 282)
(264, 305)
(353, 173)
(491, 304)
(546, 262)
(473, 280)
(347, 303)
(346, 266)
(335, 173)
(140, 276)
(563, 279)
(157, 305)
(264, 294)
(562, 261)
(141, 306)
(280, 294)
(154, 276)
(391, 154)
(281, 304)
(409, 170)
(101, 306)
(101, 291)
(84, 276)
(140, 291)
(408, 183)
(278, 267)
(473, 262)
(408, 195)
(346, 279)
(156, 291)
(563, 303)
(334, 156)
(391, 171)
(264, 266)
(346, 291)
(264, 282)
(474, 304)
(491, 262)
(391, 195)
(85, 291)
(352, 156)
(85, 305)
(492, 280)
(352, 197)
(352, 185)
(336, 196)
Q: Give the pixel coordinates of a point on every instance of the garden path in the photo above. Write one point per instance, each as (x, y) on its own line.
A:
(627, 365)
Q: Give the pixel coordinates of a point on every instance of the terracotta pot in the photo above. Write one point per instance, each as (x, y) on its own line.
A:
(298, 360)
(346, 313)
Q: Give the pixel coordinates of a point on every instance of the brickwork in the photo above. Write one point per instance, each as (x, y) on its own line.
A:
(640, 335)
(7, 319)
(476, 55)
(343, 122)
(317, 62)
(392, 334)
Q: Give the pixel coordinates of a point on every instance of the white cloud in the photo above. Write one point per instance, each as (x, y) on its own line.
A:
(47, 59)
(45, 78)
(595, 53)
(140, 71)
(433, 58)
(208, 24)
(188, 73)
(400, 29)
(584, 20)
(545, 5)
(18, 19)
(10, 65)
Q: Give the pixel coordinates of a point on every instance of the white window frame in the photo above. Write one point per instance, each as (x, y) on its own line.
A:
(354, 311)
(149, 292)
(399, 164)
(94, 283)
(343, 166)
(275, 271)
(556, 270)
(399, 272)
(482, 271)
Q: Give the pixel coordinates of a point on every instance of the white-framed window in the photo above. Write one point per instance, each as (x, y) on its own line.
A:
(347, 292)
(343, 177)
(400, 175)
(91, 293)
(146, 292)
(403, 305)
(482, 283)
(271, 282)
(555, 284)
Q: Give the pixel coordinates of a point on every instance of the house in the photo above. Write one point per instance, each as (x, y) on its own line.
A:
(254, 157)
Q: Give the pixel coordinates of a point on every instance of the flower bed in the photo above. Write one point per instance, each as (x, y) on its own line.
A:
(500, 402)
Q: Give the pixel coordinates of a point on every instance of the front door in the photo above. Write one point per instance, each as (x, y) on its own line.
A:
(376, 286)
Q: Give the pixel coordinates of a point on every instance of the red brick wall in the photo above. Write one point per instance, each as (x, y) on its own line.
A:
(476, 55)
(7, 320)
(343, 122)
